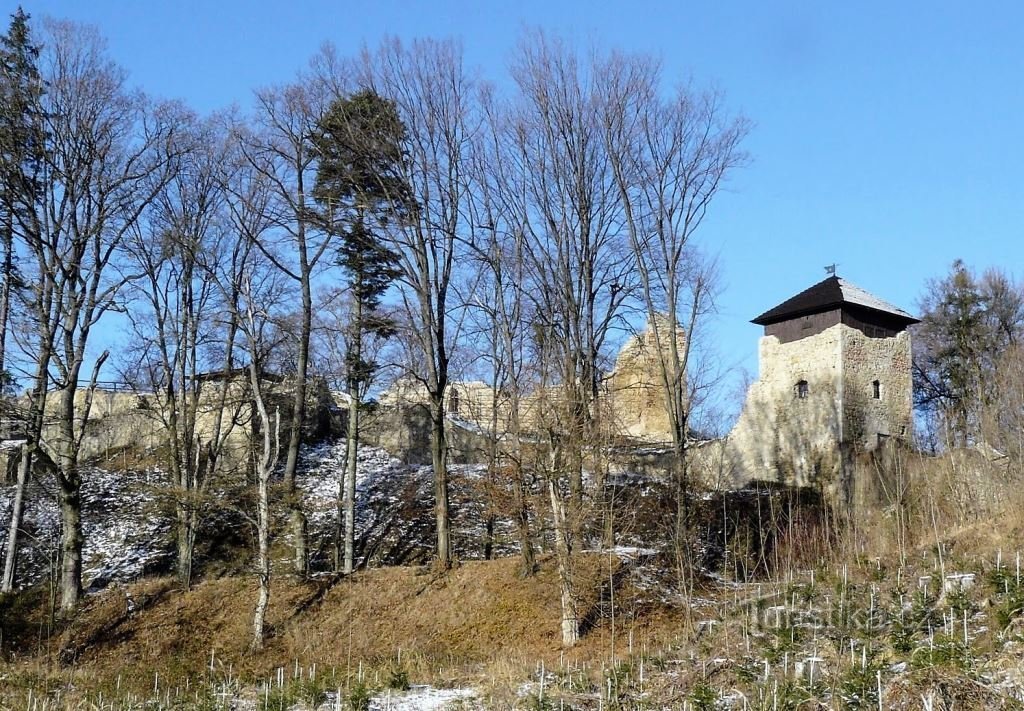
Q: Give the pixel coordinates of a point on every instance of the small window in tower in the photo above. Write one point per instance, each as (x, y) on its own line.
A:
(453, 402)
(801, 389)
(876, 390)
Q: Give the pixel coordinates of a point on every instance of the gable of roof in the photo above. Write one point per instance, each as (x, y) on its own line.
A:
(828, 294)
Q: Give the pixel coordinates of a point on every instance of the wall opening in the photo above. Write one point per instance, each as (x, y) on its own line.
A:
(876, 390)
(453, 402)
(801, 389)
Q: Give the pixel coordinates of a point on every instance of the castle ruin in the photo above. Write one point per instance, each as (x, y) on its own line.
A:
(834, 381)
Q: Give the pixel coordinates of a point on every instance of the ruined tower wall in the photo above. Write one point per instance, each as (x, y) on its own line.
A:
(636, 390)
(867, 418)
(781, 436)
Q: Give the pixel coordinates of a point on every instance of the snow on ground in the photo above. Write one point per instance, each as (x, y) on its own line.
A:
(128, 516)
(126, 535)
(419, 697)
(626, 552)
(394, 505)
(422, 698)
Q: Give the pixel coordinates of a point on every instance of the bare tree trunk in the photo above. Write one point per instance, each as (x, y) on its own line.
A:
(262, 561)
(528, 558)
(296, 517)
(351, 463)
(41, 307)
(521, 495)
(439, 459)
(563, 555)
(71, 540)
(17, 511)
(265, 467)
(70, 499)
(185, 536)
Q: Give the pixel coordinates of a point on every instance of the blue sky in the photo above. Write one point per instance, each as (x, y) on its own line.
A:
(886, 135)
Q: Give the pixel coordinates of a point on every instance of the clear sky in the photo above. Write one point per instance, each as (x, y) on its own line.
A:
(886, 134)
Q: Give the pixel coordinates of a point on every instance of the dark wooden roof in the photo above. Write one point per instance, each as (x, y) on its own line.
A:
(829, 294)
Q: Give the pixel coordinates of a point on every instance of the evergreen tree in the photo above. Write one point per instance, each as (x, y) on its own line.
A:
(21, 157)
(21, 150)
(967, 324)
(359, 185)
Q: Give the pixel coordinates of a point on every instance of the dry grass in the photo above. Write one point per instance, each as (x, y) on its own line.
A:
(478, 621)
(481, 625)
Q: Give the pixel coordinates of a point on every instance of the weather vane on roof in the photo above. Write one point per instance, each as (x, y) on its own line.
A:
(831, 269)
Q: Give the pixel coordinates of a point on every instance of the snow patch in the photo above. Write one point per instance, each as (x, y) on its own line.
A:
(421, 698)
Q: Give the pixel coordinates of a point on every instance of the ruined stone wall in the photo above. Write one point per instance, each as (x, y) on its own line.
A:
(869, 419)
(636, 391)
(126, 420)
(632, 397)
(780, 435)
(783, 437)
(120, 420)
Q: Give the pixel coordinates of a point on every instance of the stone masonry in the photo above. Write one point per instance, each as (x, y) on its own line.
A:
(821, 398)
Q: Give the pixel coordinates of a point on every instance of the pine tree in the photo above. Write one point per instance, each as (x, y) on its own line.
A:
(361, 190)
(21, 157)
(21, 146)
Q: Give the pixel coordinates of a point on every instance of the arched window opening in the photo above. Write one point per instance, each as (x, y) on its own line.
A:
(801, 389)
(453, 402)
(876, 390)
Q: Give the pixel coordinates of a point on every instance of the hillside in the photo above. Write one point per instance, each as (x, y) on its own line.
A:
(832, 637)
(774, 613)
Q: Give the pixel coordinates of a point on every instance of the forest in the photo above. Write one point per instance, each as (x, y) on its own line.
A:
(385, 198)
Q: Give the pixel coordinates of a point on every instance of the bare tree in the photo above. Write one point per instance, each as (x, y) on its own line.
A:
(281, 148)
(669, 158)
(502, 308)
(176, 321)
(433, 95)
(249, 284)
(109, 152)
(579, 266)
(255, 326)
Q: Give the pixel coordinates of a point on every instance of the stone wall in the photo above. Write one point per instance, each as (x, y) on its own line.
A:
(780, 435)
(632, 396)
(804, 435)
(636, 388)
(869, 419)
(120, 420)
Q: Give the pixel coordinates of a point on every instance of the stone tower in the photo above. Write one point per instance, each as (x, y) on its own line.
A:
(834, 380)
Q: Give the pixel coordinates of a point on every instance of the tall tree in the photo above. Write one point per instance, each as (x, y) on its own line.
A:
(281, 148)
(434, 98)
(20, 154)
(669, 157)
(580, 272)
(257, 325)
(250, 287)
(174, 318)
(360, 184)
(502, 309)
(109, 153)
(967, 323)
(21, 146)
